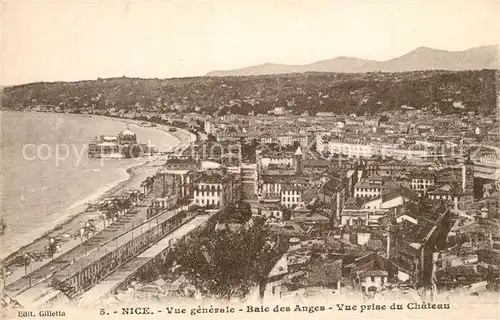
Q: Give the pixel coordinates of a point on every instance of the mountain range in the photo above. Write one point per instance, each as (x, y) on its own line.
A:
(423, 58)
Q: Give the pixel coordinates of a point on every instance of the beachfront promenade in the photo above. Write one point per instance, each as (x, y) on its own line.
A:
(124, 273)
(75, 248)
(91, 261)
(79, 255)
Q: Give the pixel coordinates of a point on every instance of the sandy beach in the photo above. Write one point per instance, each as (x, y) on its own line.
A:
(185, 137)
(66, 229)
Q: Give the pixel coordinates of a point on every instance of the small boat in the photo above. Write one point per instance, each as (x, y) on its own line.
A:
(172, 129)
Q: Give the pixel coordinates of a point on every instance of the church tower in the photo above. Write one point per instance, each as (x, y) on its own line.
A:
(468, 176)
(297, 160)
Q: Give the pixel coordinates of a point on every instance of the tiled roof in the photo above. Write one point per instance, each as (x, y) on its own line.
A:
(324, 271)
(373, 273)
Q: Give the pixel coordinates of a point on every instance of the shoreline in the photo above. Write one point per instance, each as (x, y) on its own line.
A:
(135, 122)
(68, 220)
(80, 215)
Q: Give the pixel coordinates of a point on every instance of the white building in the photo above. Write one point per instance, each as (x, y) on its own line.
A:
(362, 217)
(351, 149)
(291, 195)
(280, 161)
(322, 142)
(373, 281)
(369, 188)
(288, 139)
(207, 127)
(420, 183)
(387, 201)
(271, 210)
(215, 188)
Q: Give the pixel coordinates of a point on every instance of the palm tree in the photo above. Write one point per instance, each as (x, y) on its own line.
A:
(52, 247)
(133, 198)
(112, 212)
(122, 205)
(104, 218)
(81, 233)
(26, 261)
(89, 228)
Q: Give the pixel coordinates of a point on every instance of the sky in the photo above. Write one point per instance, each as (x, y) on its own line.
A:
(69, 41)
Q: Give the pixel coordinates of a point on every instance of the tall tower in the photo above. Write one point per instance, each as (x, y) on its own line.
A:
(297, 160)
(468, 176)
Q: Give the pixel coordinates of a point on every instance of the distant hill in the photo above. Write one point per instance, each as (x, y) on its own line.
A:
(420, 59)
(341, 93)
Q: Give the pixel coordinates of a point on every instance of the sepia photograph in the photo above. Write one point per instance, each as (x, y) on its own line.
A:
(249, 159)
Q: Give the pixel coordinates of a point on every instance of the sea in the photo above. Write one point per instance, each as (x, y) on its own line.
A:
(45, 172)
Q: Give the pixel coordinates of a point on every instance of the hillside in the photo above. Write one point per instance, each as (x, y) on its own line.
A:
(368, 93)
(485, 57)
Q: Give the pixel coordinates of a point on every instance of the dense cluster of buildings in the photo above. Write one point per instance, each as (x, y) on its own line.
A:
(393, 204)
(374, 218)
(363, 195)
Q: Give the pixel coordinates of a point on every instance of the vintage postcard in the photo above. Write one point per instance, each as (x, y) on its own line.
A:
(249, 159)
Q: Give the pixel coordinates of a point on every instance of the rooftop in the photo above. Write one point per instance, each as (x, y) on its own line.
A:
(127, 132)
(373, 273)
(214, 176)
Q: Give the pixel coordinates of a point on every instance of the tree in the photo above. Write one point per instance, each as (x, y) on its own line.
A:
(26, 262)
(211, 138)
(244, 210)
(287, 214)
(52, 248)
(225, 264)
(122, 205)
(88, 229)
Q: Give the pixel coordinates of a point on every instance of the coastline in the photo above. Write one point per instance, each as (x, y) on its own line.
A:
(71, 219)
(76, 213)
(160, 127)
